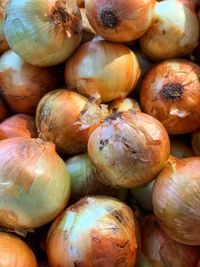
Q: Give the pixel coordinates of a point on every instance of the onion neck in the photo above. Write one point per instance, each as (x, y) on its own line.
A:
(172, 92)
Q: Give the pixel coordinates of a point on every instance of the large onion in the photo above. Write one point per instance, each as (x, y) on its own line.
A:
(102, 68)
(171, 93)
(3, 43)
(43, 32)
(96, 231)
(176, 200)
(34, 183)
(3, 110)
(129, 149)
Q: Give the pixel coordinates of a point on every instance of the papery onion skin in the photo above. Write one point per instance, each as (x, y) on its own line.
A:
(3, 43)
(123, 104)
(196, 142)
(170, 92)
(34, 183)
(129, 149)
(14, 252)
(180, 149)
(174, 31)
(3, 110)
(104, 69)
(110, 238)
(43, 32)
(178, 211)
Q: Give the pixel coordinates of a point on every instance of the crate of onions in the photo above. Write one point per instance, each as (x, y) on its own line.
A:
(99, 133)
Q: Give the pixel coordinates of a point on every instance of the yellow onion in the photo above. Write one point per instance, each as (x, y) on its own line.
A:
(170, 92)
(43, 32)
(3, 43)
(104, 69)
(120, 21)
(196, 142)
(180, 149)
(34, 183)
(176, 200)
(123, 104)
(3, 110)
(174, 31)
(14, 252)
(129, 149)
(96, 231)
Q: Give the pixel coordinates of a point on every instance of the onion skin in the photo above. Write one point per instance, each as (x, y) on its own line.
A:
(104, 69)
(14, 252)
(110, 237)
(3, 110)
(3, 43)
(178, 211)
(129, 149)
(34, 183)
(180, 149)
(123, 104)
(170, 92)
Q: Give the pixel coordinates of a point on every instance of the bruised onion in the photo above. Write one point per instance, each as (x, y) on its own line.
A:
(176, 200)
(104, 69)
(174, 31)
(196, 142)
(180, 149)
(3, 43)
(123, 104)
(34, 183)
(110, 236)
(129, 149)
(170, 92)
(3, 110)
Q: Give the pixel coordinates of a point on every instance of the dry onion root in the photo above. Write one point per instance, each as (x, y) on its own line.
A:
(3, 43)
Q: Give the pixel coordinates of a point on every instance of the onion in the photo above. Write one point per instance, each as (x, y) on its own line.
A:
(19, 125)
(129, 149)
(162, 251)
(43, 32)
(3, 110)
(102, 68)
(180, 149)
(110, 236)
(14, 252)
(174, 31)
(34, 183)
(124, 104)
(170, 92)
(22, 84)
(88, 31)
(3, 43)
(84, 179)
(176, 200)
(120, 21)
(196, 142)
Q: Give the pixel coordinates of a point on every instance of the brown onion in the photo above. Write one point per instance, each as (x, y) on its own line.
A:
(19, 125)
(34, 183)
(129, 149)
(170, 92)
(3, 110)
(104, 69)
(14, 252)
(196, 142)
(180, 149)
(123, 104)
(3, 43)
(176, 200)
(22, 84)
(110, 236)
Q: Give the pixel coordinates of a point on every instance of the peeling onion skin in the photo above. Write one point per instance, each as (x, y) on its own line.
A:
(4, 112)
(178, 212)
(14, 252)
(174, 31)
(110, 238)
(34, 183)
(43, 32)
(3, 43)
(170, 92)
(104, 69)
(129, 149)
(196, 142)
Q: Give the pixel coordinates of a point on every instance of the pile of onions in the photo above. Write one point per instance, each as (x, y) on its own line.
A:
(34, 183)
(3, 43)
(103, 69)
(174, 31)
(123, 104)
(22, 84)
(196, 142)
(110, 236)
(129, 149)
(170, 92)
(180, 149)
(43, 32)
(19, 125)
(120, 21)
(67, 118)
(178, 212)
(3, 110)
(15, 253)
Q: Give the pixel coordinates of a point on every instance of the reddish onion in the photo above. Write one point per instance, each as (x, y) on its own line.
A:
(3, 43)
(110, 236)
(170, 92)
(196, 142)
(3, 110)
(129, 149)
(123, 104)
(180, 149)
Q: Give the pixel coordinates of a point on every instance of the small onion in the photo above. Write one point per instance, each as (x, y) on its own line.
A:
(180, 149)
(3, 110)
(174, 31)
(129, 149)
(19, 125)
(104, 69)
(196, 142)
(176, 200)
(123, 104)
(43, 32)
(170, 92)
(3, 43)
(15, 253)
(120, 21)
(110, 236)
(34, 183)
